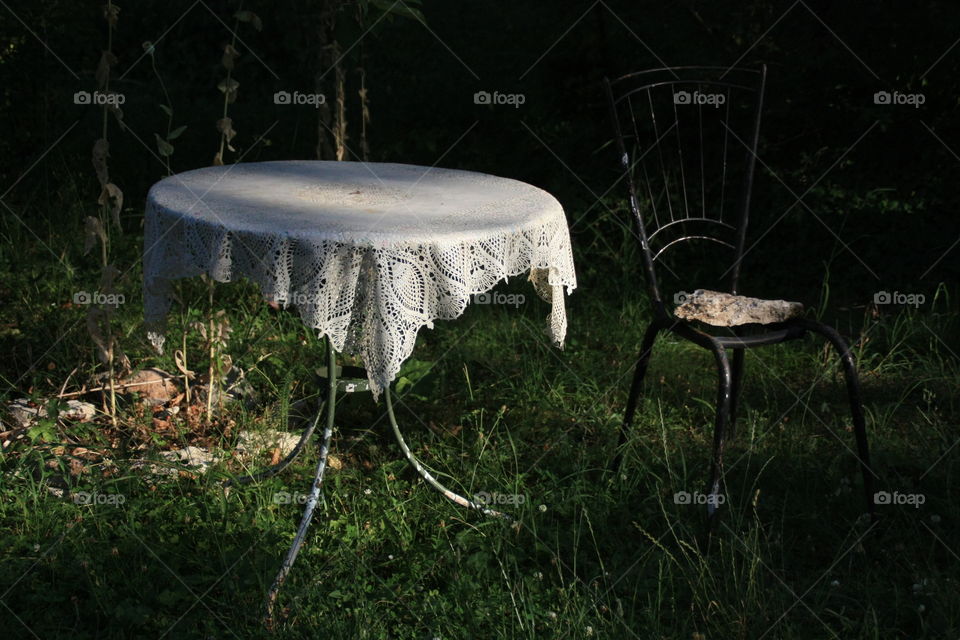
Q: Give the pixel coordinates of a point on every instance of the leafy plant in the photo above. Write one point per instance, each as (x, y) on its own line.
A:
(100, 314)
(228, 86)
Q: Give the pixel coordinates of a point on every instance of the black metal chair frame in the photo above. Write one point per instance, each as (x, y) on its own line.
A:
(751, 81)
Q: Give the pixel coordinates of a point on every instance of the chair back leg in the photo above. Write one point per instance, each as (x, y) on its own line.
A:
(856, 406)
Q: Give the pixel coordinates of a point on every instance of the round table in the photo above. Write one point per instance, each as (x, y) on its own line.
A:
(367, 253)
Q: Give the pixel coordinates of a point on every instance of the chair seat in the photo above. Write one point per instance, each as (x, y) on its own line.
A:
(727, 310)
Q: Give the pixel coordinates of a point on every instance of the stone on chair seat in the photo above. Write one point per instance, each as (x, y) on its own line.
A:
(726, 310)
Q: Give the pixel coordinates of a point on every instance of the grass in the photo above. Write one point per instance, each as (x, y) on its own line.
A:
(491, 406)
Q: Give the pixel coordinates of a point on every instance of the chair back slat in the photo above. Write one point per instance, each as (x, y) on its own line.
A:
(687, 139)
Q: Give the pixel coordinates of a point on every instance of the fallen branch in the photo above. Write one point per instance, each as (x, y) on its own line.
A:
(126, 385)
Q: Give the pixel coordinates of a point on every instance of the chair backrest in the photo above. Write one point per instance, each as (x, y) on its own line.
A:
(687, 139)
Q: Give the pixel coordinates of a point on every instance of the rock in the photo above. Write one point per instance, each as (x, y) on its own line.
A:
(78, 410)
(155, 386)
(194, 459)
(726, 310)
(25, 415)
(154, 471)
(254, 443)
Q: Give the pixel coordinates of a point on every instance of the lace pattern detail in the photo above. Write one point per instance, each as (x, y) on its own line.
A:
(369, 285)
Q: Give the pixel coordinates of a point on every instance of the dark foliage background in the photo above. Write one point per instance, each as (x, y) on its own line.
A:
(882, 204)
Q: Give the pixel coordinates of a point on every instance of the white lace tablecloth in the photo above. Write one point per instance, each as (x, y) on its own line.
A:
(368, 253)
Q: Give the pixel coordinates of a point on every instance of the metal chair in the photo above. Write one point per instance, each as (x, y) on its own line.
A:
(687, 140)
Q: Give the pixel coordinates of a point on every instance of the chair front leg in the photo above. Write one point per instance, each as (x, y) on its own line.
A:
(724, 405)
(640, 371)
(736, 387)
(856, 406)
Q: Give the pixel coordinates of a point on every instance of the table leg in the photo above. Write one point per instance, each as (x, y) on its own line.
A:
(321, 467)
(283, 464)
(426, 475)
(314, 489)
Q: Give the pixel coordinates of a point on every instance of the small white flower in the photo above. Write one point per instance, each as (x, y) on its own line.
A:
(538, 575)
(367, 491)
(543, 507)
(552, 615)
(390, 556)
(589, 631)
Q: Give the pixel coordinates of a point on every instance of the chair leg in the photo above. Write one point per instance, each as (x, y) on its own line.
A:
(649, 338)
(724, 403)
(856, 406)
(736, 386)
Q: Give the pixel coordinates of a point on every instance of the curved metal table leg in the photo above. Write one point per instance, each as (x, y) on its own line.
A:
(318, 479)
(314, 489)
(426, 475)
(283, 464)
